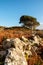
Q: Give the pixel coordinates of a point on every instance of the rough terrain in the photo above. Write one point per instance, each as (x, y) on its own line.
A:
(21, 39)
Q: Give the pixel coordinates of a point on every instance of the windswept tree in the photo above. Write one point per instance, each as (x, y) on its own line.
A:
(29, 22)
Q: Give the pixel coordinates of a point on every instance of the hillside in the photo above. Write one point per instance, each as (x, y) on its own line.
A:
(18, 32)
(14, 32)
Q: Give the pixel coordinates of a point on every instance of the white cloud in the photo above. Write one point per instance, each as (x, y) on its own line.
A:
(40, 27)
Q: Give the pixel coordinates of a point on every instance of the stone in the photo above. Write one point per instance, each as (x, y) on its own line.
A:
(17, 49)
(15, 58)
(18, 43)
(6, 44)
(37, 39)
(2, 53)
(24, 39)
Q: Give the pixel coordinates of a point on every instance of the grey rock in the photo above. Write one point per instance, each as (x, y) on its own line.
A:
(15, 58)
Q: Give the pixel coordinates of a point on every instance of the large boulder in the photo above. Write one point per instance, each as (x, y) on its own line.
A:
(15, 58)
(2, 54)
(7, 43)
(16, 43)
(19, 50)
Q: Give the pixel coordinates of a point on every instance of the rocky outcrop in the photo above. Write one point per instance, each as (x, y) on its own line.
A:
(15, 57)
(20, 50)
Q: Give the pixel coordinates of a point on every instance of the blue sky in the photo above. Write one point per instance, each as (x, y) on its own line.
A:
(11, 10)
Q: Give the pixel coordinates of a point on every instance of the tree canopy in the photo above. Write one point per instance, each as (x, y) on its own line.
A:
(29, 21)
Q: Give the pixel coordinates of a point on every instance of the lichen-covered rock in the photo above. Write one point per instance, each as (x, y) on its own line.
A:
(2, 53)
(19, 50)
(17, 43)
(37, 39)
(7, 43)
(15, 58)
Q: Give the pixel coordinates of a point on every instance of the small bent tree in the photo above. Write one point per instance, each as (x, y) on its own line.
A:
(29, 22)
